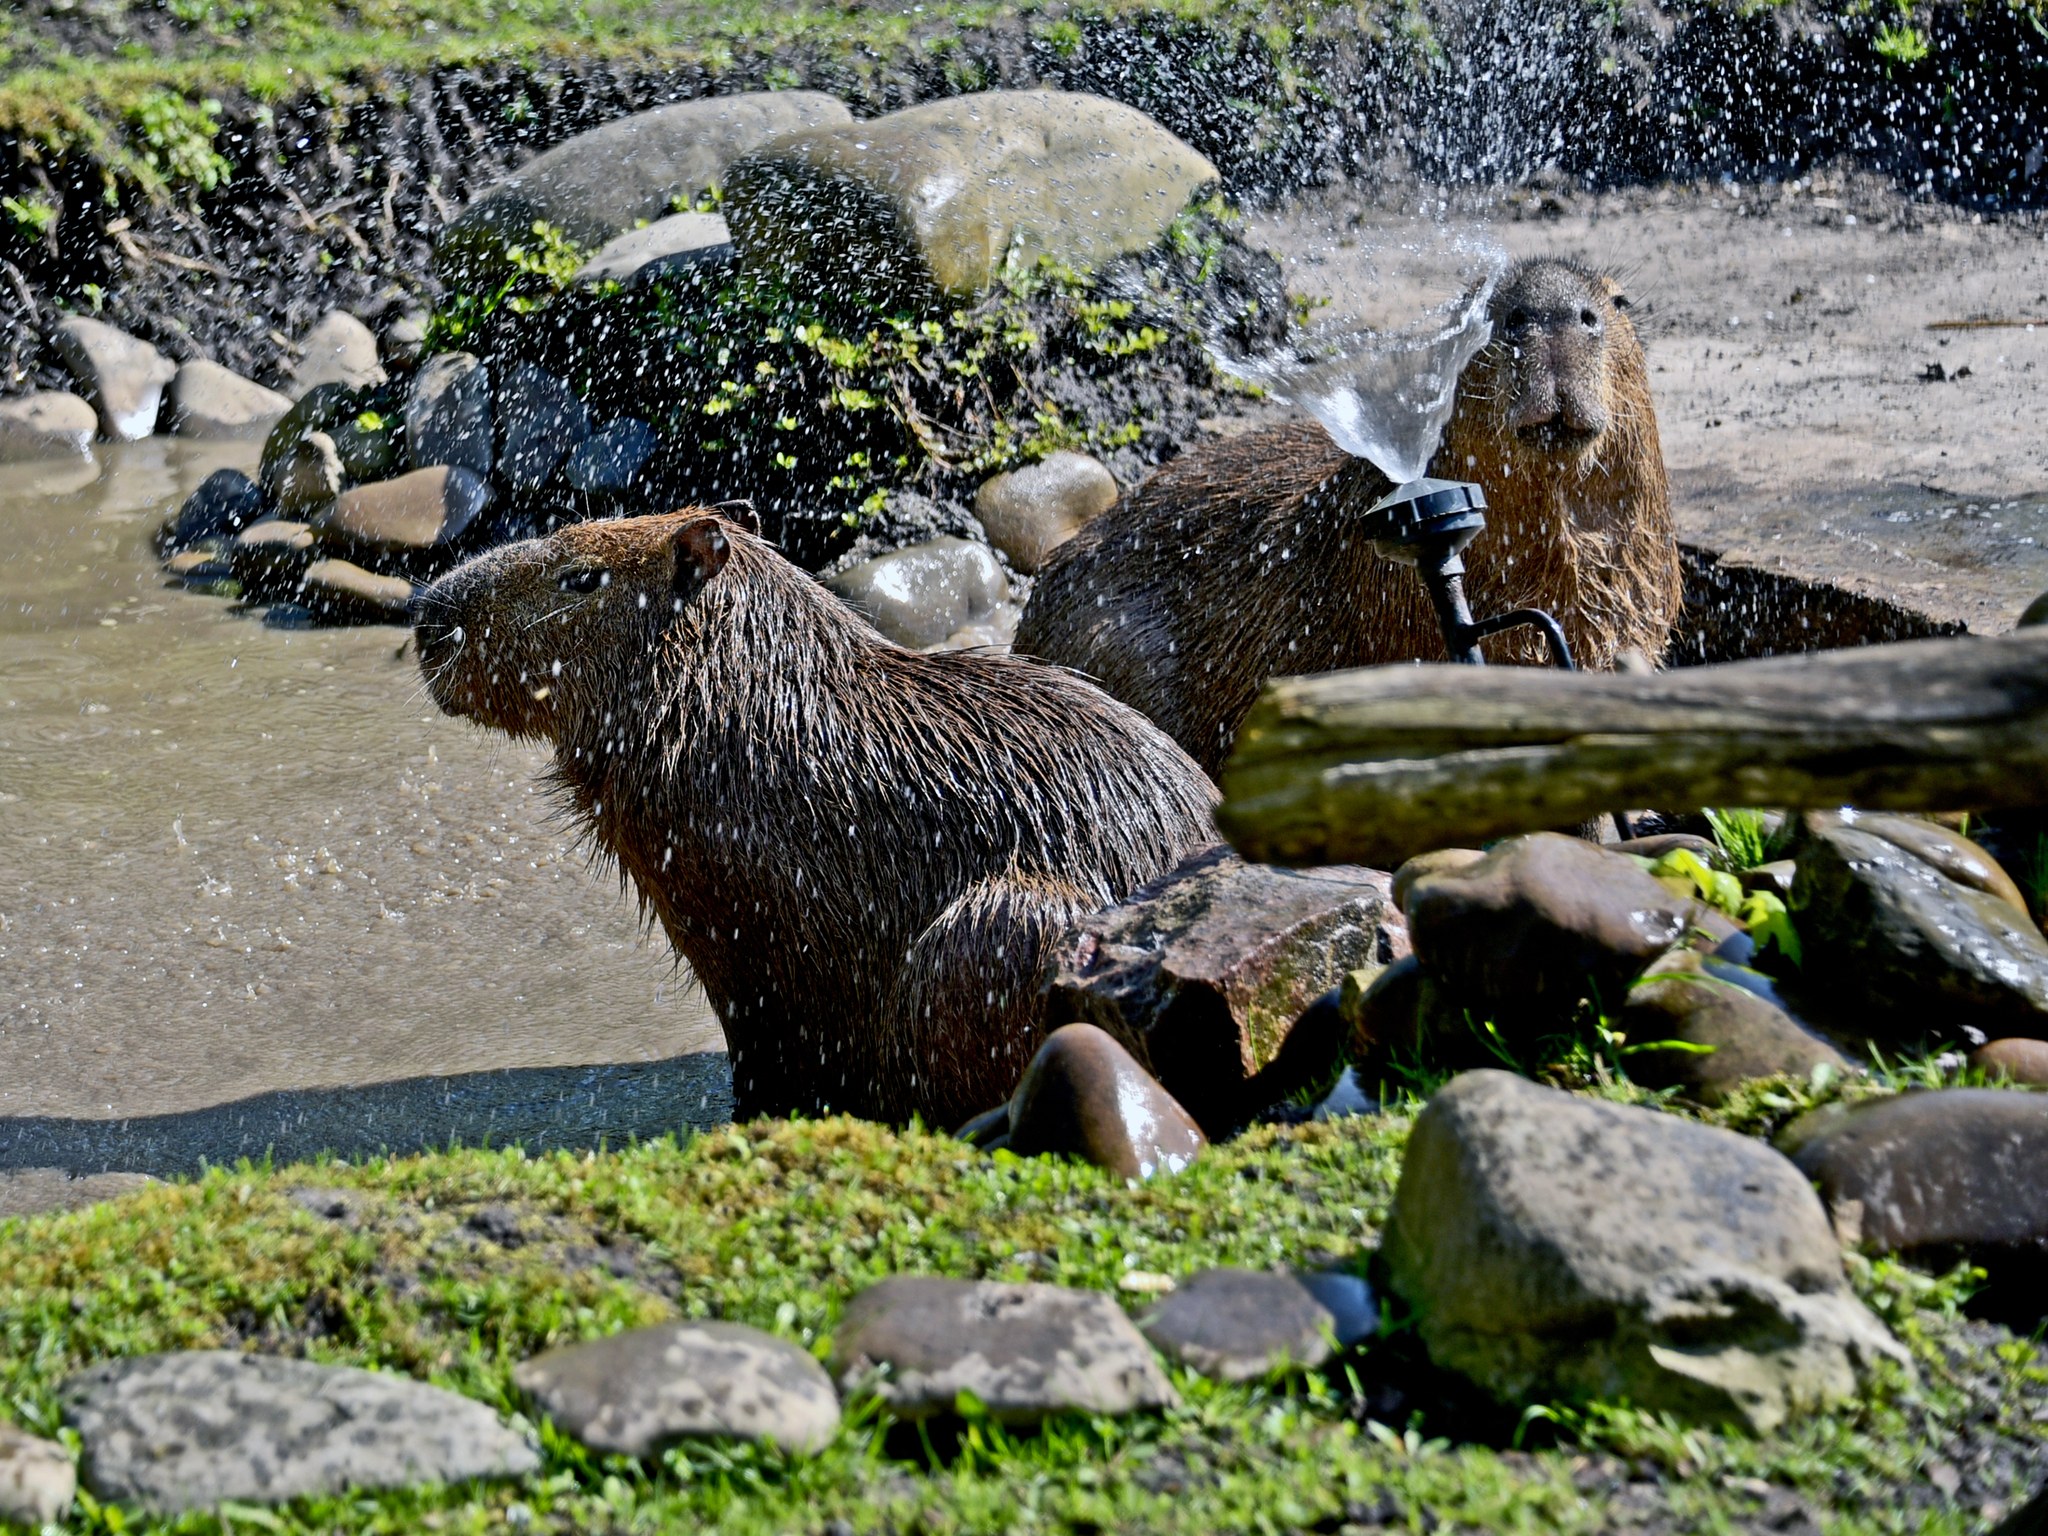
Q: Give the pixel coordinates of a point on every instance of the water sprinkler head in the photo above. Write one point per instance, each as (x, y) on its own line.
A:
(1439, 517)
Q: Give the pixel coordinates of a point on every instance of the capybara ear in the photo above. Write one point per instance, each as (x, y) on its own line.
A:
(701, 552)
(741, 512)
(1615, 294)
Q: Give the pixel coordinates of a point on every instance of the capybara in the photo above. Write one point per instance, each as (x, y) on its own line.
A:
(861, 851)
(1241, 560)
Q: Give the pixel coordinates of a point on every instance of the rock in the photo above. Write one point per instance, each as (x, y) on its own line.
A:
(270, 558)
(2015, 1061)
(344, 593)
(611, 459)
(1655, 846)
(307, 478)
(405, 339)
(1558, 1247)
(539, 421)
(1083, 1095)
(210, 401)
(1542, 921)
(1354, 1310)
(37, 1479)
(1694, 1001)
(1383, 1010)
(600, 184)
(186, 1431)
(427, 509)
(1422, 864)
(1203, 974)
(1775, 878)
(364, 443)
(949, 195)
(29, 1191)
(993, 631)
(1935, 1175)
(1897, 950)
(1029, 512)
(2036, 613)
(50, 424)
(673, 244)
(226, 502)
(448, 415)
(1241, 1325)
(919, 596)
(1947, 850)
(339, 349)
(1026, 1351)
(123, 377)
(636, 1392)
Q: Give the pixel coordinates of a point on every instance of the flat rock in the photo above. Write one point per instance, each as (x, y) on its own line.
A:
(599, 185)
(540, 421)
(635, 1392)
(1956, 1170)
(1724, 1024)
(1558, 1247)
(1203, 974)
(37, 1479)
(947, 196)
(612, 458)
(448, 414)
(667, 246)
(919, 596)
(49, 424)
(2014, 1060)
(1026, 1351)
(270, 558)
(342, 592)
(1084, 1096)
(226, 502)
(1897, 950)
(1544, 921)
(123, 377)
(1241, 1324)
(426, 509)
(28, 1191)
(339, 349)
(1029, 512)
(210, 401)
(189, 1431)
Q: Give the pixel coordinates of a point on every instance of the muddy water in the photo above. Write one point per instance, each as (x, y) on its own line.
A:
(241, 866)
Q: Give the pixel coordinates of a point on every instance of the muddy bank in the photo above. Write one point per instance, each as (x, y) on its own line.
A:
(333, 199)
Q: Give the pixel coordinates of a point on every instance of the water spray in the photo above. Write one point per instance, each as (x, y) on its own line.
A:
(1427, 524)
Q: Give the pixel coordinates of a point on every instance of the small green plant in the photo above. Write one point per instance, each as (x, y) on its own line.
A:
(1762, 913)
(177, 137)
(33, 218)
(539, 269)
(1903, 44)
(1744, 835)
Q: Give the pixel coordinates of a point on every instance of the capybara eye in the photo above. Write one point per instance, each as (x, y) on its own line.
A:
(1518, 319)
(584, 578)
(1619, 300)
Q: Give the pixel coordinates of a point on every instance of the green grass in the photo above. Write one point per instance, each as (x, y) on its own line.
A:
(779, 1225)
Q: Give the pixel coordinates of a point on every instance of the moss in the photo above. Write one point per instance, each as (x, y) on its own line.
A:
(778, 1225)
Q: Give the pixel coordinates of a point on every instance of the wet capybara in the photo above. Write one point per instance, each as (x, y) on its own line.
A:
(861, 851)
(1241, 560)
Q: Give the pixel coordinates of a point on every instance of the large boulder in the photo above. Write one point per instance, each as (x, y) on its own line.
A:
(540, 421)
(448, 415)
(49, 424)
(1558, 1247)
(1026, 1351)
(941, 199)
(1541, 922)
(186, 1431)
(1897, 950)
(1203, 974)
(123, 376)
(601, 184)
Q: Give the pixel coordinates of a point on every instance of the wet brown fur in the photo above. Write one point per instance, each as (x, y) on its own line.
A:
(861, 851)
(1239, 561)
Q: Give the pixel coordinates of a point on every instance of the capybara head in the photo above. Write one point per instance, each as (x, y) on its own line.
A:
(550, 635)
(1563, 353)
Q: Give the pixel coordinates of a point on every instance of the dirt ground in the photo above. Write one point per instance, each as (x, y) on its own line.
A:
(1822, 411)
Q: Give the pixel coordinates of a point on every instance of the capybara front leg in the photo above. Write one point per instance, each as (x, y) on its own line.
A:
(966, 1015)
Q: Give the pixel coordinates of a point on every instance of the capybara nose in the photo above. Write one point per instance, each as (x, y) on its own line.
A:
(436, 635)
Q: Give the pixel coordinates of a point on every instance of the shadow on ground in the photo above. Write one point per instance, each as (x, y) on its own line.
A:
(535, 1107)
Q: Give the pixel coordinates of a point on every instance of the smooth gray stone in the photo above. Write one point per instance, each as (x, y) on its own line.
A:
(183, 1431)
(37, 1479)
(667, 245)
(339, 349)
(1241, 1324)
(611, 460)
(226, 502)
(918, 1341)
(1030, 511)
(918, 596)
(635, 1392)
(209, 401)
(122, 376)
(540, 422)
(49, 424)
(448, 415)
(1353, 1309)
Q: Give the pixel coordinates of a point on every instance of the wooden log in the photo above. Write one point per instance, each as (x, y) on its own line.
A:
(1371, 766)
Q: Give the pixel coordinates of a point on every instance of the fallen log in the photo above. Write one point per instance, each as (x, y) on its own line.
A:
(1371, 766)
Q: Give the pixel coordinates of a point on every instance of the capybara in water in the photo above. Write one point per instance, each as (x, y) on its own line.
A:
(1241, 560)
(862, 851)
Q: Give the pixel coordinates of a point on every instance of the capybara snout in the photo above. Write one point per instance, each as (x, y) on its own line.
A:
(1553, 322)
